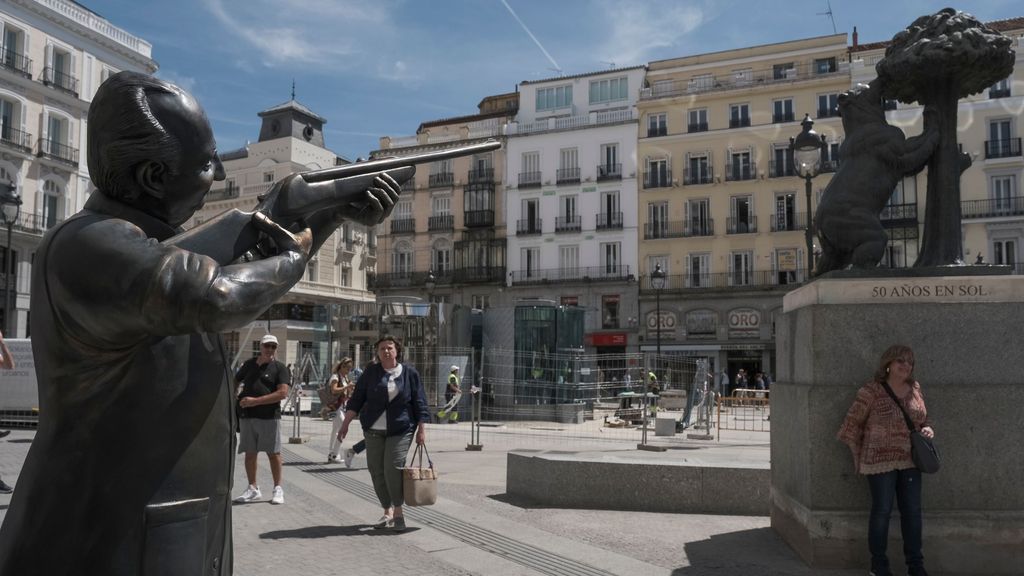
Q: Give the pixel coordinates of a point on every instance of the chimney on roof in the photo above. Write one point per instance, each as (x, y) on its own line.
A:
(854, 37)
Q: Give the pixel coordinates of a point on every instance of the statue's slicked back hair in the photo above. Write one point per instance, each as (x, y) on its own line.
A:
(123, 133)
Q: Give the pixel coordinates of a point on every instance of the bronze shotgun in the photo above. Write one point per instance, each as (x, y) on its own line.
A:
(231, 234)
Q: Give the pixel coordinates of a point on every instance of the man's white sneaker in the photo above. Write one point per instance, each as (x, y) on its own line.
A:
(350, 455)
(278, 497)
(251, 493)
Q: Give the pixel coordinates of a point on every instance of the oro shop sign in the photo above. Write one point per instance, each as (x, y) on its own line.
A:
(744, 323)
(665, 323)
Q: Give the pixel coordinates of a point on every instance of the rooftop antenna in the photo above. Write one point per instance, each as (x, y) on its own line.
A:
(293, 88)
(829, 14)
(609, 63)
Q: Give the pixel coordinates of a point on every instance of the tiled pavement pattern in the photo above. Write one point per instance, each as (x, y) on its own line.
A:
(323, 527)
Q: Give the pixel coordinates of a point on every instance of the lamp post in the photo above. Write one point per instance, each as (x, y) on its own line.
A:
(657, 282)
(806, 148)
(11, 208)
(430, 283)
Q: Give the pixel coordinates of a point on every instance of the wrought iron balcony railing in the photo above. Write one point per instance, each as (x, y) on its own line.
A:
(568, 223)
(1007, 148)
(528, 227)
(10, 137)
(609, 221)
(778, 169)
(609, 172)
(567, 176)
(704, 176)
(735, 280)
(441, 180)
(734, 225)
(788, 222)
(57, 151)
(478, 218)
(403, 225)
(529, 179)
(481, 175)
(60, 80)
(441, 222)
(16, 62)
(992, 208)
(658, 179)
(741, 171)
(605, 273)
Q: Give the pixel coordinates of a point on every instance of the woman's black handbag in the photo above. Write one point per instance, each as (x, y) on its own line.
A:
(922, 450)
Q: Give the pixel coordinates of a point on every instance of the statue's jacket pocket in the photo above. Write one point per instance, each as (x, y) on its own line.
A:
(175, 539)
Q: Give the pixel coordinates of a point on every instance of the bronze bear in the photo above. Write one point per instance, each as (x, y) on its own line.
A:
(875, 157)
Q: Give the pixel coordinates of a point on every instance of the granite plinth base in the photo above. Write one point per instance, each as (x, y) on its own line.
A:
(565, 480)
(965, 332)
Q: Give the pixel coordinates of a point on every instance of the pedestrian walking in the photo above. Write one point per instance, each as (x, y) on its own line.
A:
(265, 383)
(391, 405)
(340, 386)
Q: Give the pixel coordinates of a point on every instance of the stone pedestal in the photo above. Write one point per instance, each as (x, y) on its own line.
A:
(967, 333)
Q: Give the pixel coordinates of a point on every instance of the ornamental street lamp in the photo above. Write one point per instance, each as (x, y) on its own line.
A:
(11, 207)
(657, 282)
(806, 149)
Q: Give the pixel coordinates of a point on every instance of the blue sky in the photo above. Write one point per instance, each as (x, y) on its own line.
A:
(381, 67)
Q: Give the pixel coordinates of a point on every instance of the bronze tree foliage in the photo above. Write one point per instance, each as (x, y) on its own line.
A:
(935, 61)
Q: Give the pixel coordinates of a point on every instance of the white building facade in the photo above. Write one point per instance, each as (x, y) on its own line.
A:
(54, 55)
(571, 200)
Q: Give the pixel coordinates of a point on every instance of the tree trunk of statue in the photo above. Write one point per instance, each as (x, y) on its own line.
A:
(942, 241)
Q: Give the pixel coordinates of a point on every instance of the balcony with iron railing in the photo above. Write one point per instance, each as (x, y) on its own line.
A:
(741, 122)
(778, 169)
(998, 92)
(740, 81)
(781, 118)
(606, 273)
(1007, 148)
(60, 80)
(697, 127)
(679, 229)
(898, 214)
(609, 221)
(747, 225)
(561, 123)
(568, 224)
(609, 172)
(694, 177)
(403, 225)
(658, 179)
(655, 131)
(528, 227)
(16, 139)
(475, 274)
(478, 218)
(829, 166)
(740, 171)
(529, 179)
(16, 62)
(565, 176)
(789, 222)
(992, 208)
(481, 175)
(57, 151)
(828, 112)
(35, 224)
(225, 193)
(735, 280)
(441, 223)
(441, 179)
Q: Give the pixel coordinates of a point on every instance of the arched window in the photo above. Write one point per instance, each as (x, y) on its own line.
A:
(52, 194)
(441, 256)
(401, 259)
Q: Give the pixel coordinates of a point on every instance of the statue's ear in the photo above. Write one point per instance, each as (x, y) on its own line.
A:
(151, 177)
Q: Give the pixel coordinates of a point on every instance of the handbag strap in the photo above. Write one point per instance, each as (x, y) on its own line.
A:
(419, 452)
(906, 417)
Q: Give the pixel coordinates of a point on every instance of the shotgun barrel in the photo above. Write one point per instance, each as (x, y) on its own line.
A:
(372, 166)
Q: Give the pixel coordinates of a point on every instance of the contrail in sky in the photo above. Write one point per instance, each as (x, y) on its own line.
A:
(532, 37)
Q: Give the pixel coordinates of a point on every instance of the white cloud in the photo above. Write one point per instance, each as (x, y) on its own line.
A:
(187, 83)
(329, 33)
(637, 29)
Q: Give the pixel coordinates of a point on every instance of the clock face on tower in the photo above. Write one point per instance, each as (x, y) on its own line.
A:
(307, 132)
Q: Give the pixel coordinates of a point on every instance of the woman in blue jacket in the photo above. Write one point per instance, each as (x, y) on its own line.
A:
(391, 405)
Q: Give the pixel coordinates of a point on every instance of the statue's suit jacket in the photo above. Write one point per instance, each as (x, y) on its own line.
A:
(130, 470)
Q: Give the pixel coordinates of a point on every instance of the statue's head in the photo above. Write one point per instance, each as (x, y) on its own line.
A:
(150, 145)
(862, 103)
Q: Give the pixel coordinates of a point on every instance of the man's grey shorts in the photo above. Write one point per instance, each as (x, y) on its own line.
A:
(259, 435)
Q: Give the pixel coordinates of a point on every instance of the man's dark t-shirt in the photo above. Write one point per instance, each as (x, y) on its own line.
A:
(260, 380)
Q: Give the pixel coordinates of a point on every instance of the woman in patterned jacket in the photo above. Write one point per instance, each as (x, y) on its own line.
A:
(877, 434)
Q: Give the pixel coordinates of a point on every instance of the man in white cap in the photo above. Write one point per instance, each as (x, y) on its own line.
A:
(452, 395)
(265, 383)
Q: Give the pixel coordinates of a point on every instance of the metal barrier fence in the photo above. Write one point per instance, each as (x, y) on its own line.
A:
(746, 410)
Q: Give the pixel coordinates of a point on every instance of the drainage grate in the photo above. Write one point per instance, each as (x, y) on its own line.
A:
(521, 553)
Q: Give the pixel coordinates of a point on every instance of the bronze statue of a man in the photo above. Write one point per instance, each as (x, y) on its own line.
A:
(131, 467)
